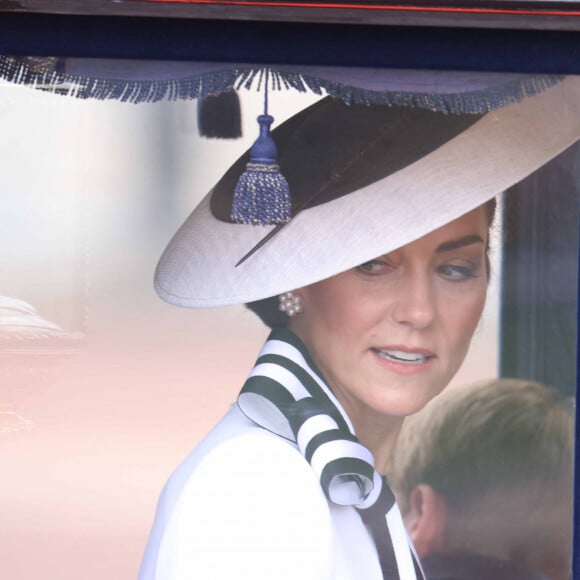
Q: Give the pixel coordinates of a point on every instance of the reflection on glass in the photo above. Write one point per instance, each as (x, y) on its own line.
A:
(93, 190)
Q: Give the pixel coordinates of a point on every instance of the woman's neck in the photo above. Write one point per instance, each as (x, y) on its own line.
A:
(377, 432)
(378, 435)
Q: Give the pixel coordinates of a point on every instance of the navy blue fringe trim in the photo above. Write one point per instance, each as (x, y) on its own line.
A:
(472, 103)
(17, 70)
(43, 74)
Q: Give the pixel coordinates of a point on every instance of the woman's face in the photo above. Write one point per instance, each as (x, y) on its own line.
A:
(390, 334)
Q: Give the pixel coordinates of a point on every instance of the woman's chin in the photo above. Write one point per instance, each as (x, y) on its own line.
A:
(405, 402)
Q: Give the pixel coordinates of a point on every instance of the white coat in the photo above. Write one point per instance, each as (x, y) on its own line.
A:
(246, 505)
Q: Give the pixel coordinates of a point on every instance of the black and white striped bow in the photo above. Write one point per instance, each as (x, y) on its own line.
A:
(286, 394)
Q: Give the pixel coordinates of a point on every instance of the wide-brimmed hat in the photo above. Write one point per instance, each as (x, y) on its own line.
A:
(364, 180)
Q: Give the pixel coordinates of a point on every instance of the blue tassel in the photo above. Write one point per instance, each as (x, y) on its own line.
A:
(262, 195)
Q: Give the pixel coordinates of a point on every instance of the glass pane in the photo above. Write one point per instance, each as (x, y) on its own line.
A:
(106, 388)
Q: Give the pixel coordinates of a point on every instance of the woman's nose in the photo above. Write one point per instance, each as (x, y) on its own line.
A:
(415, 303)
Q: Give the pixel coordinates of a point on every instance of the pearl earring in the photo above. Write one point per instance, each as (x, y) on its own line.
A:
(290, 303)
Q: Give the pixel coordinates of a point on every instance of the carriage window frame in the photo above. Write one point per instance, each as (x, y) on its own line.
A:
(422, 41)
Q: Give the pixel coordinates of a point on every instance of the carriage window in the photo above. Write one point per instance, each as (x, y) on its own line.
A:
(104, 388)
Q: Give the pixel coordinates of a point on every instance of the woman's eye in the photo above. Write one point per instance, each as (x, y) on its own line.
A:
(375, 267)
(458, 272)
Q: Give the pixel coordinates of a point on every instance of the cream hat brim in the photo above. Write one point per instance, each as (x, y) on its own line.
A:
(198, 269)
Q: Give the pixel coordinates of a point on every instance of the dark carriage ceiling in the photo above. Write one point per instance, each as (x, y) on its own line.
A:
(514, 14)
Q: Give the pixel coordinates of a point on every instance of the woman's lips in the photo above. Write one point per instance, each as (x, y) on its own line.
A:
(404, 359)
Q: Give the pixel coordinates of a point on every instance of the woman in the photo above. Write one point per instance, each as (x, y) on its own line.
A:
(381, 275)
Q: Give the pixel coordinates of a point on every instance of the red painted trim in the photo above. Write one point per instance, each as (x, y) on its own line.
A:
(290, 4)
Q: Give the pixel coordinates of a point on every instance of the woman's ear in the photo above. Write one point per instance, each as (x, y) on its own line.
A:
(426, 520)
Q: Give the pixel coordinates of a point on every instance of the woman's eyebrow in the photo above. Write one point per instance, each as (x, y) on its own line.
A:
(459, 243)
